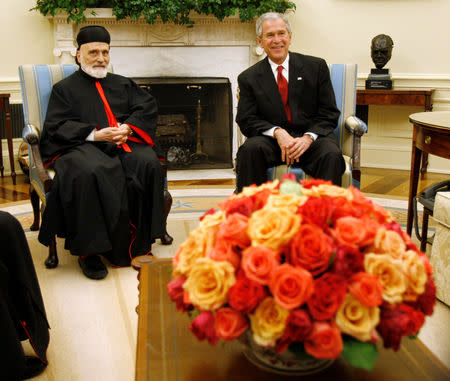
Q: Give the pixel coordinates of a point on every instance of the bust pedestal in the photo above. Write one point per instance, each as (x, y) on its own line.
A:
(379, 79)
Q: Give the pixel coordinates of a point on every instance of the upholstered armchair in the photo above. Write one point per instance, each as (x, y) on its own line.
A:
(348, 131)
(36, 84)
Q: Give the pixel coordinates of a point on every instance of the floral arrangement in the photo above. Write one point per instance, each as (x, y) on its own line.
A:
(308, 266)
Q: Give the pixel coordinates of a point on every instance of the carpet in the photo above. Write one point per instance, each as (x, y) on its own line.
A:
(94, 323)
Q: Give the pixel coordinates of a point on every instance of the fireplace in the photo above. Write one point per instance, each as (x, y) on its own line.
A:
(194, 125)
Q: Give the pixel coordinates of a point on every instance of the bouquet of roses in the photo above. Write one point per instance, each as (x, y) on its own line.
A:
(307, 265)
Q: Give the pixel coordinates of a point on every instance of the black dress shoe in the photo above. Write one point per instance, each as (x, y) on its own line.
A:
(93, 267)
(33, 367)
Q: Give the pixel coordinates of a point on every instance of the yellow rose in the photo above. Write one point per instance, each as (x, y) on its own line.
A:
(196, 246)
(208, 283)
(328, 190)
(268, 322)
(272, 228)
(389, 242)
(416, 275)
(212, 220)
(390, 273)
(357, 320)
(290, 201)
(251, 190)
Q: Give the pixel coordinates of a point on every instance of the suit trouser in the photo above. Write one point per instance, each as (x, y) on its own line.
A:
(322, 160)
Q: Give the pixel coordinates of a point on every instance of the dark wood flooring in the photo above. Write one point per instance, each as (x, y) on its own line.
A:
(387, 182)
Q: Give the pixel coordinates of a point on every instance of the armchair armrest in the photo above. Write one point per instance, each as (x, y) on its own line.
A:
(33, 141)
(357, 128)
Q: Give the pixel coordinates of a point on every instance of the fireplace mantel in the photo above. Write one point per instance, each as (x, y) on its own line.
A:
(211, 48)
(207, 31)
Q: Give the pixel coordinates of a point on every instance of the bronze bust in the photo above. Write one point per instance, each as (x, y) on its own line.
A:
(381, 50)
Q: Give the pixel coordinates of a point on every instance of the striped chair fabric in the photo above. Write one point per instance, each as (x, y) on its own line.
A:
(343, 78)
(36, 83)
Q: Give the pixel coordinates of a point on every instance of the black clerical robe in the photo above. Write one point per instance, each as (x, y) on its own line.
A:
(22, 312)
(104, 200)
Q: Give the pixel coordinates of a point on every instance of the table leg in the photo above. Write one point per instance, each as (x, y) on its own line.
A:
(413, 181)
(424, 166)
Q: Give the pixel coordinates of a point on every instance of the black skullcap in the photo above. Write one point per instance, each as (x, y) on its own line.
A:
(93, 33)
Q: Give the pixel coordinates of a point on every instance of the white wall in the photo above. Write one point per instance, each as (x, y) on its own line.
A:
(338, 30)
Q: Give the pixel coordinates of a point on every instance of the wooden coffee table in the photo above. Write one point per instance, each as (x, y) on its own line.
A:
(168, 351)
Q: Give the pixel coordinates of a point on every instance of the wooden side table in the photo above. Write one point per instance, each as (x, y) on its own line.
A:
(421, 97)
(4, 105)
(431, 134)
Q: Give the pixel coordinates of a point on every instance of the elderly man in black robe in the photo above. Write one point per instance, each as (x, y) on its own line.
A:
(99, 136)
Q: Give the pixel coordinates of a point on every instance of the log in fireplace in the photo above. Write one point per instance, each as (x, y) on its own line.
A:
(194, 125)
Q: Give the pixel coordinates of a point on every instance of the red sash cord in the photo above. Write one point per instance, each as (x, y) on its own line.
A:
(111, 118)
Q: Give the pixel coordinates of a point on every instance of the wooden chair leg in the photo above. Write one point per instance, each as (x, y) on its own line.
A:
(52, 261)
(34, 198)
(166, 239)
(423, 242)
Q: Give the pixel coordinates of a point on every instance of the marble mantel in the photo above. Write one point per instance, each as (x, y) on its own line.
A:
(211, 48)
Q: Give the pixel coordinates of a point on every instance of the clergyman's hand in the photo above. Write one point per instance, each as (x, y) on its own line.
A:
(112, 134)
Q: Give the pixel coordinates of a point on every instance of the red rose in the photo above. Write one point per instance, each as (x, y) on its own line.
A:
(230, 324)
(324, 341)
(309, 183)
(260, 198)
(367, 288)
(348, 260)
(397, 322)
(310, 248)
(342, 207)
(245, 294)
(289, 176)
(242, 205)
(234, 230)
(210, 211)
(203, 327)
(427, 300)
(329, 293)
(298, 326)
(316, 211)
(371, 227)
(176, 293)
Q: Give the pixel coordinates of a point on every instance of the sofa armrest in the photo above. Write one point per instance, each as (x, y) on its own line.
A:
(33, 141)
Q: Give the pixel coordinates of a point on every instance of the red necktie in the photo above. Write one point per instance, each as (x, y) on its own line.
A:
(283, 88)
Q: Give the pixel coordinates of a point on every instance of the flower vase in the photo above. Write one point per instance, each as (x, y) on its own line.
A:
(286, 363)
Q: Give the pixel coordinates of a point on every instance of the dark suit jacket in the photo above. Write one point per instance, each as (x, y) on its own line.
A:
(311, 98)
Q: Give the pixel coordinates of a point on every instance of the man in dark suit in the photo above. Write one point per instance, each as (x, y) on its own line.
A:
(287, 110)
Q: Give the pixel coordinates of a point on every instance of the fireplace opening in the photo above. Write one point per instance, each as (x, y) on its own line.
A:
(194, 125)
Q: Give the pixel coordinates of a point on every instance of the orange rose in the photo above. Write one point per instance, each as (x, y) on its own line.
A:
(234, 230)
(349, 231)
(366, 288)
(258, 263)
(229, 324)
(223, 251)
(311, 249)
(291, 286)
(324, 341)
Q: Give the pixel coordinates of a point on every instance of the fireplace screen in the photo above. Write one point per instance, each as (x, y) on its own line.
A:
(194, 120)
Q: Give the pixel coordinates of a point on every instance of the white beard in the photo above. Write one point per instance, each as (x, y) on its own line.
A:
(96, 72)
